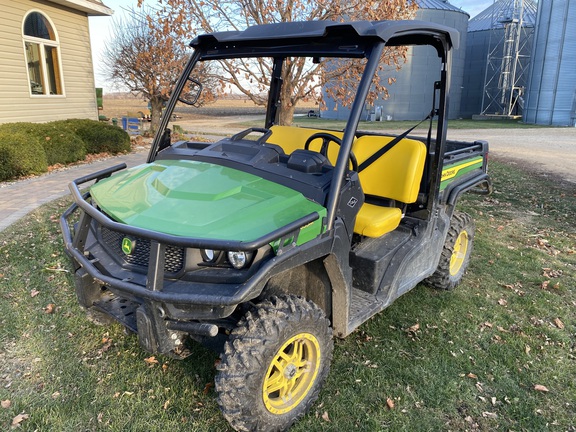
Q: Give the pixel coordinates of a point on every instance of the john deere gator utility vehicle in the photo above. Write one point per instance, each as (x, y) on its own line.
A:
(266, 244)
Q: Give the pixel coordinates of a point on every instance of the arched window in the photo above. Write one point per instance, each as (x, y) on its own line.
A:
(42, 55)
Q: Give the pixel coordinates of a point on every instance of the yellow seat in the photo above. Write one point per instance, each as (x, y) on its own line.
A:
(292, 138)
(396, 175)
(375, 221)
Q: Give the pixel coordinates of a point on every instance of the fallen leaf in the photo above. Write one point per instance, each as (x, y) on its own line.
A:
(164, 367)
(165, 406)
(151, 361)
(545, 284)
(414, 328)
(527, 349)
(34, 293)
(390, 403)
(558, 323)
(106, 344)
(56, 395)
(502, 302)
(471, 375)
(50, 308)
(207, 388)
(541, 388)
(550, 273)
(325, 416)
(6, 404)
(489, 415)
(16, 421)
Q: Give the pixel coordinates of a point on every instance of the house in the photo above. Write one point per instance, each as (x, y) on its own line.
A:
(46, 70)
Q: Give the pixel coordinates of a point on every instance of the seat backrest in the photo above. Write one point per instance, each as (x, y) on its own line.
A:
(292, 138)
(397, 173)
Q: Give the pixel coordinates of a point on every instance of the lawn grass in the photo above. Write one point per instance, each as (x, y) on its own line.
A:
(472, 363)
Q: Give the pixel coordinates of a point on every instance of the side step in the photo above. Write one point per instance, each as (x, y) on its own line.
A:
(363, 305)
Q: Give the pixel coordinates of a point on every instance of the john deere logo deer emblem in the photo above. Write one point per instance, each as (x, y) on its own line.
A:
(128, 245)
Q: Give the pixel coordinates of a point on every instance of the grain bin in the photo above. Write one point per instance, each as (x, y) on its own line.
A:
(411, 94)
(551, 98)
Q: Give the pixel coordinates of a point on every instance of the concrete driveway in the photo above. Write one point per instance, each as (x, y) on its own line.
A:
(545, 150)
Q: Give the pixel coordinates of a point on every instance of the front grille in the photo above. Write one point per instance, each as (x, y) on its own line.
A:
(140, 256)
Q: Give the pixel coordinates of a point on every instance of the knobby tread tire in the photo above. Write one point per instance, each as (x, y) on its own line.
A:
(442, 279)
(250, 349)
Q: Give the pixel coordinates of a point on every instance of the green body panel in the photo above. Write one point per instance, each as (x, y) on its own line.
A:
(203, 200)
(458, 169)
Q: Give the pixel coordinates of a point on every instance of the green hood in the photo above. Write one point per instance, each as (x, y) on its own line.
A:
(202, 200)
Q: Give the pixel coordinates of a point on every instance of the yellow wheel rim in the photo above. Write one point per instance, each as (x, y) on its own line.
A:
(459, 253)
(291, 373)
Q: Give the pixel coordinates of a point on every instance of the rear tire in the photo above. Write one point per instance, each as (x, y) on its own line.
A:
(274, 364)
(455, 254)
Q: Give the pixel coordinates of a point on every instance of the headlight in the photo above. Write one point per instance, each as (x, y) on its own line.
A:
(239, 259)
(210, 255)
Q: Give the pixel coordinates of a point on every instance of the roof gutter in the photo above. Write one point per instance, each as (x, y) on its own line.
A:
(90, 7)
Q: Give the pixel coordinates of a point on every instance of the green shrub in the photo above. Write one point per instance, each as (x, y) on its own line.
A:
(20, 155)
(98, 137)
(61, 146)
(29, 148)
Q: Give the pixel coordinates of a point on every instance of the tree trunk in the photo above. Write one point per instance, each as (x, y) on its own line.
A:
(287, 104)
(286, 114)
(156, 105)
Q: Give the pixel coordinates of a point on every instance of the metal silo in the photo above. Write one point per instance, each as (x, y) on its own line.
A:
(551, 96)
(498, 45)
(411, 94)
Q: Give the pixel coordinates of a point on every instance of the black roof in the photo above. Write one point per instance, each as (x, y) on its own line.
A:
(408, 32)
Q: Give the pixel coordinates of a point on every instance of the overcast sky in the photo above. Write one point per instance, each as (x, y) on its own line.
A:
(100, 27)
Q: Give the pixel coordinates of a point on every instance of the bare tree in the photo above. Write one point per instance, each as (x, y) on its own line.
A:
(302, 79)
(146, 57)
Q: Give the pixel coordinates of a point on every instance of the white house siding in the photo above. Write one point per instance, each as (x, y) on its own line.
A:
(16, 103)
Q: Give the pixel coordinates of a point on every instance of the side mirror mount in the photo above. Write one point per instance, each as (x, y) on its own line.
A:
(191, 92)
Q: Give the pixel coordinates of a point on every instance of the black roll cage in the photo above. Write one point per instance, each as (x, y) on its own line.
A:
(317, 39)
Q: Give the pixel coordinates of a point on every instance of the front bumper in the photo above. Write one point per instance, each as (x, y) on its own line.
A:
(157, 301)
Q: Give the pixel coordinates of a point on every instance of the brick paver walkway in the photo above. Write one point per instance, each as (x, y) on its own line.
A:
(19, 198)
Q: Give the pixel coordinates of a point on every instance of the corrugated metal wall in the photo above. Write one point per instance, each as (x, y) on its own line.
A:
(551, 98)
(411, 94)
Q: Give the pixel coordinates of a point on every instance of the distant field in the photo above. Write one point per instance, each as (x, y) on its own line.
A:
(121, 106)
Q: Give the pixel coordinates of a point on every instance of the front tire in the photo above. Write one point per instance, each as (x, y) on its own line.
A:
(274, 364)
(455, 254)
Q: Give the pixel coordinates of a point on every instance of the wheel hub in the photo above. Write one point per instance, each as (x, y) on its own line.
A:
(290, 371)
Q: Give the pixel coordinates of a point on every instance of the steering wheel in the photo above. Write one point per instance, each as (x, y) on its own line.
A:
(326, 139)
